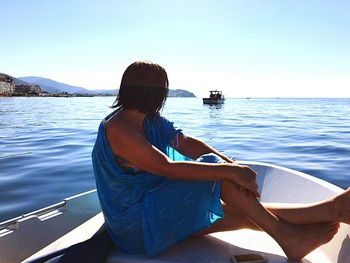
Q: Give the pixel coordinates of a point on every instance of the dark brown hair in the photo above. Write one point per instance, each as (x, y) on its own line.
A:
(144, 87)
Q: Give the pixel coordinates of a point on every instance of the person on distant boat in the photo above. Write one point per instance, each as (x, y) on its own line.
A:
(152, 196)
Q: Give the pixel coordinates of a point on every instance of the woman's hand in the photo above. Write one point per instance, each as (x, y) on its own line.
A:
(245, 177)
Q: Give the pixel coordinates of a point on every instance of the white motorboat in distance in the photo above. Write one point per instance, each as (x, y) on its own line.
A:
(215, 97)
(77, 218)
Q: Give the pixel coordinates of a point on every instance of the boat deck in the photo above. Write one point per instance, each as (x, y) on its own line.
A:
(217, 247)
(79, 218)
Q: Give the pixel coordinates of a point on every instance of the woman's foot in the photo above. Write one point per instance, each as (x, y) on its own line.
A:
(342, 204)
(299, 240)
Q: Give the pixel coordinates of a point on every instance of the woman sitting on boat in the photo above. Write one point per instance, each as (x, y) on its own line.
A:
(152, 197)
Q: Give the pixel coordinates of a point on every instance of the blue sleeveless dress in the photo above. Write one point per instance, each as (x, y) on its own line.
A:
(146, 213)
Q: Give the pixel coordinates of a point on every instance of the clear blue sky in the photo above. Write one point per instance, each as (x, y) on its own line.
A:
(245, 48)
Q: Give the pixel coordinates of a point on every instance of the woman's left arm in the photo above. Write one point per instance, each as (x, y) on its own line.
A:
(194, 148)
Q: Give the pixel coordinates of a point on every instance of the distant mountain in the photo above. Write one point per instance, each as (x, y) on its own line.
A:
(180, 93)
(18, 82)
(11, 86)
(15, 81)
(52, 86)
(112, 92)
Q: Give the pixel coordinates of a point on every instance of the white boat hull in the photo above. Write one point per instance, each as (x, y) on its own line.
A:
(277, 184)
(213, 101)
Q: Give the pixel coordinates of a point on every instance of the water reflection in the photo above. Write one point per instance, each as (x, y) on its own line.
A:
(214, 106)
(215, 111)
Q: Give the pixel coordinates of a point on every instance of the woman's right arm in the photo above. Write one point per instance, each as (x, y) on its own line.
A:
(133, 147)
(193, 147)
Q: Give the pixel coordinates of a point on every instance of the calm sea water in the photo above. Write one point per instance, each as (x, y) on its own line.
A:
(45, 143)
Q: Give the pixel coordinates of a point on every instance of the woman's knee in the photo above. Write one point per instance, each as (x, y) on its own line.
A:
(229, 188)
(232, 193)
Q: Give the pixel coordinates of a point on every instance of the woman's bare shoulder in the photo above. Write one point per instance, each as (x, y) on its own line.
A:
(116, 129)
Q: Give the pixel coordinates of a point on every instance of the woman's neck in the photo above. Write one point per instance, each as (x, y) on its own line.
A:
(132, 117)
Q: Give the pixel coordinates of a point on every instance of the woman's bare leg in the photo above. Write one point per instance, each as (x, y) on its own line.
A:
(331, 210)
(296, 240)
(335, 209)
(233, 220)
(321, 212)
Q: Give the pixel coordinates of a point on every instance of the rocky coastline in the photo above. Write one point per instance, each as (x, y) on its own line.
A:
(41, 87)
(11, 87)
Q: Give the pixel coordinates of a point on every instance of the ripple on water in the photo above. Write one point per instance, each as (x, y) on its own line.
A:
(45, 151)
